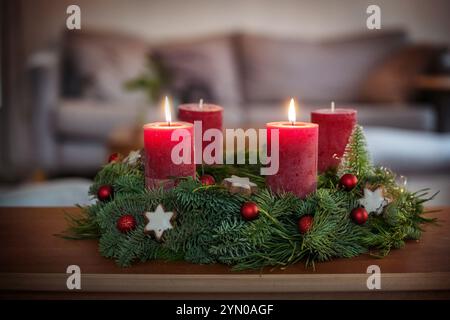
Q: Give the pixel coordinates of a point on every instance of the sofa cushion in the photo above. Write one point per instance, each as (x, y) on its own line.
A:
(97, 65)
(202, 68)
(415, 117)
(393, 80)
(81, 157)
(55, 193)
(409, 151)
(276, 68)
(92, 120)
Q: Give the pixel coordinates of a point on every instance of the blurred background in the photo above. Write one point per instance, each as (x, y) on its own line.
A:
(70, 98)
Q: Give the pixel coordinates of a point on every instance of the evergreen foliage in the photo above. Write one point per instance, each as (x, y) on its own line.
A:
(356, 159)
(209, 228)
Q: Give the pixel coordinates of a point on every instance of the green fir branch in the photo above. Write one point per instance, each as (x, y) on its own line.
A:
(209, 228)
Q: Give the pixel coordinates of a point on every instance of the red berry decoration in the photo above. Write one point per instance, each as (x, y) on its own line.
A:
(348, 181)
(249, 210)
(305, 223)
(359, 215)
(105, 192)
(207, 180)
(126, 223)
(113, 157)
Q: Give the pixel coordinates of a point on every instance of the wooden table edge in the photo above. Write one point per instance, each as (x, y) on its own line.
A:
(219, 283)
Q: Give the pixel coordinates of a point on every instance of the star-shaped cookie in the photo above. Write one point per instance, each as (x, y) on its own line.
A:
(158, 221)
(373, 201)
(237, 184)
(132, 157)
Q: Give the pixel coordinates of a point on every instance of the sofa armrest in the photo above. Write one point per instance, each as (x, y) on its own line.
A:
(43, 75)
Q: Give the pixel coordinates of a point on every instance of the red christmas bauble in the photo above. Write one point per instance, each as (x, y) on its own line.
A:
(305, 223)
(348, 181)
(359, 215)
(113, 157)
(126, 223)
(249, 210)
(105, 192)
(207, 180)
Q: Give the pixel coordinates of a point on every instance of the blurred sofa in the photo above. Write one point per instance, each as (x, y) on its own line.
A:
(78, 90)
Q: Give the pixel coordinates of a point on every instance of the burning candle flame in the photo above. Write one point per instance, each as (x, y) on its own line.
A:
(332, 106)
(291, 112)
(167, 110)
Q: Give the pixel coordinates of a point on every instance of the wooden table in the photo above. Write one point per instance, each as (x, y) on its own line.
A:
(33, 264)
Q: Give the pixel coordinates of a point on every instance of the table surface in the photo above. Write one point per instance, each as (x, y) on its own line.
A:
(33, 261)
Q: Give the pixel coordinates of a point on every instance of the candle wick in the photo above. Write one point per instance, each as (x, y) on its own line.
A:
(200, 104)
(332, 106)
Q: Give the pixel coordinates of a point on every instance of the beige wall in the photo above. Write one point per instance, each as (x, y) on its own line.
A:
(161, 20)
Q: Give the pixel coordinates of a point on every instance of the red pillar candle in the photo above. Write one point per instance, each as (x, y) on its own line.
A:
(298, 143)
(335, 128)
(209, 114)
(160, 167)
